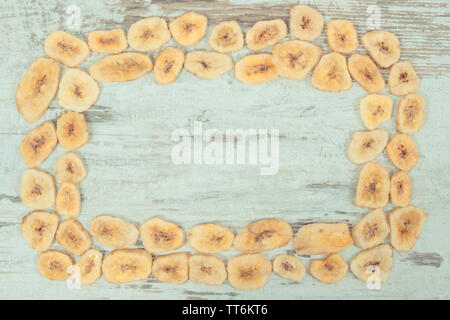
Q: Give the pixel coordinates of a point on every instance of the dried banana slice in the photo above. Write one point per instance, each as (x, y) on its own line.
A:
(39, 228)
(341, 36)
(90, 265)
(366, 73)
(72, 130)
(189, 28)
(160, 236)
(411, 112)
(73, 237)
(289, 267)
(264, 34)
(210, 238)
(403, 79)
(248, 271)
(54, 265)
(206, 269)
(373, 186)
(38, 189)
(38, 144)
(375, 109)
(402, 151)
(382, 46)
(68, 200)
(37, 88)
(127, 265)
(329, 270)
(121, 67)
(322, 238)
(66, 48)
(226, 37)
(172, 268)
(256, 68)
(168, 65)
(113, 232)
(70, 168)
(401, 189)
(78, 91)
(331, 74)
(305, 23)
(374, 262)
(366, 145)
(107, 41)
(148, 34)
(263, 235)
(371, 230)
(406, 226)
(295, 59)
(207, 64)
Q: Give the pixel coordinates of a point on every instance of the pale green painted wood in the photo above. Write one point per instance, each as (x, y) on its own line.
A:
(128, 156)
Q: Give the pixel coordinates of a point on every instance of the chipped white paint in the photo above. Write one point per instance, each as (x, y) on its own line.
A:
(130, 173)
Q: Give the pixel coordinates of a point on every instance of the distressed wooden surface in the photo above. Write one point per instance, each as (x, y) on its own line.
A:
(130, 173)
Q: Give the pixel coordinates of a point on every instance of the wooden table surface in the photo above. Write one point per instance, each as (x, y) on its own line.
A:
(131, 175)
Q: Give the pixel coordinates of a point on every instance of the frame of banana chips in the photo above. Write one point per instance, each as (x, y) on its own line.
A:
(77, 91)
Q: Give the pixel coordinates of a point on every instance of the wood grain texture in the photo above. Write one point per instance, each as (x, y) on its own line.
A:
(130, 173)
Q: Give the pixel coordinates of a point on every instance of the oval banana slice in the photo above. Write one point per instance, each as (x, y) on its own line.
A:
(38, 189)
(38, 144)
(189, 28)
(172, 268)
(206, 269)
(207, 64)
(411, 112)
(383, 46)
(54, 265)
(329, 270)
(107, 41)
(168, 65)
(366, 73)
(66, 48)
(210, 238)
(373, 186)
(263, 235)
(121, 67)
(375, 109)
(37, 89)
(148, 34)
(295, 59)
(264, 34)
(72, 130)
(401, 189)
(366, 145)
(406, 225)
(114, 232)
(73, 237)
(226, 37)
(160, 236)
(289, 267)
(39, 228)
(127, 265)
(342, 36)
(402, 151)
(70, 168)
(322, 238)
(68, 200)
(78, 91)
(256, 69)
(403, 79)
(331, 74)
(371, 230)
(248, 271)
(374, 262)
(305, 23)
(90, 265)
